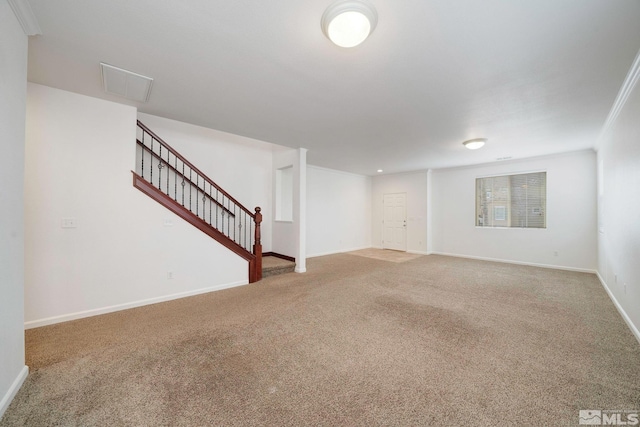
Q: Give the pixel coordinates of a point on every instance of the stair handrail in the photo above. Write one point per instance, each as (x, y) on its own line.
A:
(195, 169)
(177, 172)
(252, 253)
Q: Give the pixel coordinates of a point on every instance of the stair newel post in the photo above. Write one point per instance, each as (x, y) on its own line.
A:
(257, 246)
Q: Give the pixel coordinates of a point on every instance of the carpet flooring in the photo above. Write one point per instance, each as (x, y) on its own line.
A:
(386, 255)
(355, 341)
(272, 266)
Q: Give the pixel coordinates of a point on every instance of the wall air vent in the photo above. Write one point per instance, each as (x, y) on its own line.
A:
(127, 84)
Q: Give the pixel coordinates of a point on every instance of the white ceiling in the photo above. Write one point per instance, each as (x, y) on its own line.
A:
(534, 76)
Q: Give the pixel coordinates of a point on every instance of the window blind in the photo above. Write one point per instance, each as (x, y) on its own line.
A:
(518, 201)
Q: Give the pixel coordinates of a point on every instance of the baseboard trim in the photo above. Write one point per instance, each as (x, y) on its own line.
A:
(506, 261)
(625, 316)
(419, 252)
(13, 390)
(341, 251)
(409, 251)
(277, 255)
(110, 309)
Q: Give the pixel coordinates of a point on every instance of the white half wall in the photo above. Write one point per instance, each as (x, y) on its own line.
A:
(13, 96)
(415, 185)
(79, 155)
(571, 214)
(338, 211)
(619, 204)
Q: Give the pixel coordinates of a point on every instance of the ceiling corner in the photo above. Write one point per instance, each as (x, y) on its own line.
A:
(24, 13)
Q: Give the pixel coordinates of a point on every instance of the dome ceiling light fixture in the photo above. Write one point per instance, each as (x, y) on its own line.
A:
(347, 23)
(474, 144)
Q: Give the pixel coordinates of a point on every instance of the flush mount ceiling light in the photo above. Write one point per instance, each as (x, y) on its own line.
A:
(349, 23)
(474, 144)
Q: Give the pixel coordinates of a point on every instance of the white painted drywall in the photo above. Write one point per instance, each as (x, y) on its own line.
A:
(415, 186)
(79, 155)
(289, 237)
(13, 95)
(571, 214)
(300, 208)
(338, 211)
(284, 194)
(619, 210)
(285, 234)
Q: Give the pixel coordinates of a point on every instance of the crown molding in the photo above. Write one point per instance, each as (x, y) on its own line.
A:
(24, 13)
(625, 91)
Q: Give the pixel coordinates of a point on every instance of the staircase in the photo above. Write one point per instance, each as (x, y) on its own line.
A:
(171, 180)
(273, 265)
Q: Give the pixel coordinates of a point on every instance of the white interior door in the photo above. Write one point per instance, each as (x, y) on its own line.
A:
(394, 226)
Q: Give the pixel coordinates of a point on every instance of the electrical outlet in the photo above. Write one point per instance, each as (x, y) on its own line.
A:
(555, 253)
(625, 288)
(169, 274)
(69, 223)
(615, 279)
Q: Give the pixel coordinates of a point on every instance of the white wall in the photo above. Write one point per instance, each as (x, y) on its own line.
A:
(13, 95)
(289, 237)
(415, 186)
(285, 235)
(571, 214)
(338, 211)
(79, 155)
(619, 208)
(284, 194)
(241, 166)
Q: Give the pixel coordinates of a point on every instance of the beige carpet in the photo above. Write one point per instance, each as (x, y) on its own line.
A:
(272, 266)
(354, 341)
(385, 255)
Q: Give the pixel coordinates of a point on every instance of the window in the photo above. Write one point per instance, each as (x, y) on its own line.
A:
(518, 201)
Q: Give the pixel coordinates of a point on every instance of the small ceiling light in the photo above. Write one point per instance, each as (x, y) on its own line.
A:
(379, 170)
(348, 23)
(474, 144)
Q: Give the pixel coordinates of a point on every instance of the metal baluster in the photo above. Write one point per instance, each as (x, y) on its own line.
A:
(197, 192)
(160, 167)
(216, 208)
(228, 218)
(239, 221)
(142, 150)
(151, 167)
(210, 204)
(190, 187)
(183, 184)
(168, 164)
(234, 222)
(222, 215)
(175, 182)
(204, 200)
